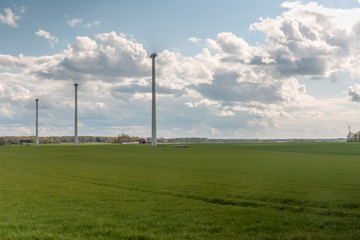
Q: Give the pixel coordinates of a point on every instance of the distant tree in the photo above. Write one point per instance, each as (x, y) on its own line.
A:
(353, 137)
(125, 138)
(357, 137)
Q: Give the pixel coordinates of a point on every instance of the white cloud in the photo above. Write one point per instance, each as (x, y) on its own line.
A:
(9, 17)
(194, 39)
(77, 21)
(225, 113)
(12, 98)
(92, 24)
(237, 49)
(15, 92)
(23, 9)
(177, 72)
(52, 39)
(311, 40)
(203, 102)
(354, 93)
(110, 57)
(74, 22)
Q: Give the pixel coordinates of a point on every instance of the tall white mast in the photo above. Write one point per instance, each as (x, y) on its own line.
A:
(76, 117)
(37, 122)
(153, 122)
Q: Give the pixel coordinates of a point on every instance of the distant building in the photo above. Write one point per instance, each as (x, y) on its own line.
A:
(143, 141)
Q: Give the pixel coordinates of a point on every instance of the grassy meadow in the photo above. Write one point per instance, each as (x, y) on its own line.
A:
(206, 191)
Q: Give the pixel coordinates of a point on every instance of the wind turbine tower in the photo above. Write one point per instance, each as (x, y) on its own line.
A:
(37, 122)
(76, 117)
(153, 120)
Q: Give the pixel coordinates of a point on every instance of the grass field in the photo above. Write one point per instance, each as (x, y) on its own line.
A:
(206, 191)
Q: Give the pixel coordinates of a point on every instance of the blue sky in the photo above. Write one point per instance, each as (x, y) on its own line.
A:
(159, 24)
(225, 69)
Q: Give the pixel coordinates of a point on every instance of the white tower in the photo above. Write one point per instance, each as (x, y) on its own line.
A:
(37, 122)
(76, 117)
(153, 136)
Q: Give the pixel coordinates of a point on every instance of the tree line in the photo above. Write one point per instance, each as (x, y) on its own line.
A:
(20, 140)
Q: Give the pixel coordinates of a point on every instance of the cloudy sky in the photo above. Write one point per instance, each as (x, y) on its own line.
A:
(225, 69)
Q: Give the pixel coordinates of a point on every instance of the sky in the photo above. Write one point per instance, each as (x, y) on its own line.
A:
(224, 69)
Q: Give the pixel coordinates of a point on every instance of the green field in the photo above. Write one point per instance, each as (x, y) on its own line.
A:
(206, 191)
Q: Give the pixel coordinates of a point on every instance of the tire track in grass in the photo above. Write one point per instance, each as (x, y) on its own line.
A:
(279, 204)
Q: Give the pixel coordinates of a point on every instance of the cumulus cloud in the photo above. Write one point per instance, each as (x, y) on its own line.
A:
(203, 102)
(13, 98)
(111, 56)
(15, 92)
(194, 39)
(178, 72)
(52, 39)
(108, 57)
(311, 40)
(354, 93)
(115, 58)
(225, 87)
(236, 49)
(9, 17)
(225, 113)
(74, 22)
(92, 24)
(78, 21)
